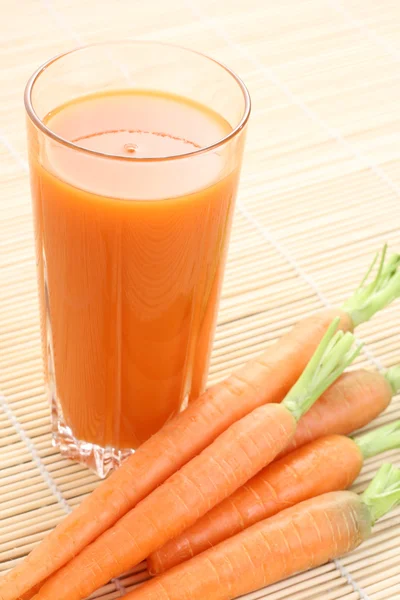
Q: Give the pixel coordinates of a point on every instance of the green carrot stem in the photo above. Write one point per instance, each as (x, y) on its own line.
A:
(371, 297)
(380, 440)
(335, 352)
(383, 493)
(393, 377)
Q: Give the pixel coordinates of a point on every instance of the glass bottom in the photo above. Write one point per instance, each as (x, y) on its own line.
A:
(98, 459)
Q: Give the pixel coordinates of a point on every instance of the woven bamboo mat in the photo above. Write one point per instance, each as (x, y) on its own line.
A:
(319, 193)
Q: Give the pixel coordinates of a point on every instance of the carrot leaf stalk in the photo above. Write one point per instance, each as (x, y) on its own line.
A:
(383, 493)
(371, 297)
(380, 440)
(393, 377)
(335, 352)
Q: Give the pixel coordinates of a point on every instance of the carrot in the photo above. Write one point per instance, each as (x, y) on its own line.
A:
(231, 460)
(29, 595)
(355, 400)
(263, 380)
(299, 538)
(325, 465)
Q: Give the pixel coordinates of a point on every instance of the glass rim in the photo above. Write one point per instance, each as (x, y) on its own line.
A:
(37, 121)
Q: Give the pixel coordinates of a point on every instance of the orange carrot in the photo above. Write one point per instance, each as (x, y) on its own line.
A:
(29, 595)
(325, 465)
(299, 538)
(231, 460)
(263, 380)
(355, 400)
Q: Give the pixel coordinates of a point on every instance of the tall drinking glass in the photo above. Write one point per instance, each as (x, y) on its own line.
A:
(135, 150)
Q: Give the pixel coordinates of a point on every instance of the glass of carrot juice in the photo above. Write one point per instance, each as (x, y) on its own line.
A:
(135, 150)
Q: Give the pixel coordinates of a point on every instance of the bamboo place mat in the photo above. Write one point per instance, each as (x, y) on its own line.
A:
(319, 194)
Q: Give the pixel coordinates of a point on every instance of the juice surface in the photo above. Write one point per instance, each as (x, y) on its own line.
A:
(131, 285)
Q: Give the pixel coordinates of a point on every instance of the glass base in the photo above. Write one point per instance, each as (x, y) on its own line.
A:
(98, 459)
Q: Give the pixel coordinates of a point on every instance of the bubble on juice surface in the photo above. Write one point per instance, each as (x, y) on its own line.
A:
(130, 147)
(136, 143)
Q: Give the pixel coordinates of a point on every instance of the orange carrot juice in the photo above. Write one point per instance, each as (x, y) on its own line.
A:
(130, 260)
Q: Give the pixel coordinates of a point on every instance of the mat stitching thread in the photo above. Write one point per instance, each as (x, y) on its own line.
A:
(14, 153)
(39, 463)
(70, 31)
(266, 233)
(61, 22)
(371, 33)
(346, 574)
(119, 587)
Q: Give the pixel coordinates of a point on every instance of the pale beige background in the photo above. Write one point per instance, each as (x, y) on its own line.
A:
(320, 192)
